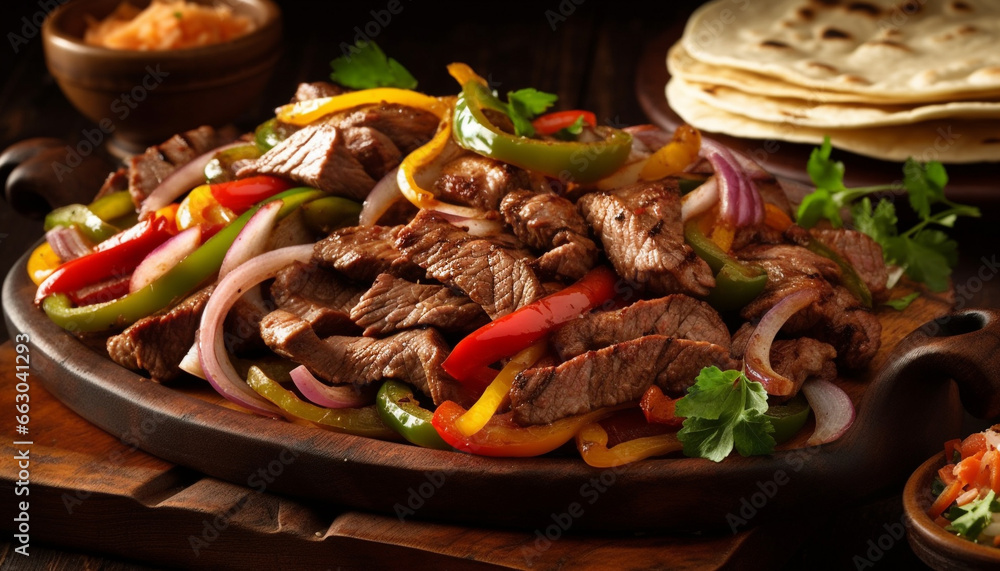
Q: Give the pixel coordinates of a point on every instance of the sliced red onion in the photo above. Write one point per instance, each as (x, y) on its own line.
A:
(252, 239)
(740, 203)
(181, 180)
(700, 199)
(164, 257)
(68, 242)
(191, 363)
(832, 408)
(757, 357)
(383, 195)
(219, 370)
(322, 394)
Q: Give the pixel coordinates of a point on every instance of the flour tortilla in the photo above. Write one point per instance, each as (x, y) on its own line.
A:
(915, 51)
(945, 140)
(831, 115)
(680, 64)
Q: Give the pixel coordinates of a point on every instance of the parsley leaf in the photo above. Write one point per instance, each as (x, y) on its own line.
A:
(925, 254)
(364, 66)
(524, 105)
(724, 410)
(971, 519)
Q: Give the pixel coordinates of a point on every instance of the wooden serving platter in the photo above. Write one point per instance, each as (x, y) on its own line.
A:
(906, 408)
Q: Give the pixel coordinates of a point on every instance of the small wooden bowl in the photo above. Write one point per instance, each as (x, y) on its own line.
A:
(936, 547)
(138, 98)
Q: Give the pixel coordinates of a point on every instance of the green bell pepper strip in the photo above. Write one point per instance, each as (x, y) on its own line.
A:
(570, 161)
(848, 275)
(90, 225)
(218, 169)
(736, 283)
(267, 135)
(113, 206)
(326, 214)
(401, 412)
(179, 281)
(363, 421)
(788, 418)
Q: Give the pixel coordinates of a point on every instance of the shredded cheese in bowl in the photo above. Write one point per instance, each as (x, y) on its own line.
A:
(167, 25)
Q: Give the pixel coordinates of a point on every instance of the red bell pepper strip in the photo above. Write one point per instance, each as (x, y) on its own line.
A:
(239, 195)
(502, 437)
(118, 255)
(515, 331)
(552, 123)
(658, 408)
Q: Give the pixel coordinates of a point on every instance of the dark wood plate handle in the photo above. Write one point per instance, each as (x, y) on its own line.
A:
(912, 404)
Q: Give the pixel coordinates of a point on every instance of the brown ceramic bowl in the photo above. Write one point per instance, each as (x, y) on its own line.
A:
(138, 98)
(936, 547)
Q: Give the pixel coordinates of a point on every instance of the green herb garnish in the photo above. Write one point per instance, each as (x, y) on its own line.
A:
(970, 520)
(524, 105)
(724, 410)
(365, 66)
(923, 252)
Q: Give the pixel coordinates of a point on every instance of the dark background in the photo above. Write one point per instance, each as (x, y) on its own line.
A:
(585, 51)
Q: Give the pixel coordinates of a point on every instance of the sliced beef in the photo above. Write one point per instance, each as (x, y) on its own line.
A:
(147, 170)
(640, 229)
(675, 315)
(838, 318)
(242, 324)
(393, 304)
(115, 182)
(479, 181)
(318, 156)
(157, 343)
(491, 273)
(797, 359)
(373, 149)
(316, 90)
(363, 252)
(412, 356)
(613, 375)
(863, 253)
(407, 127)
(551, 224)
(318, 295)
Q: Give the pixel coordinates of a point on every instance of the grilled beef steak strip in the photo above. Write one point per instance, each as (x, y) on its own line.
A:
(318, 156)
(407, 127)
(242, 324)
(393, 304)
(373, 149)
(838, 318)
(363, 252)
(492, 274)
(641, 231)
(316, 90)
(797, 359)
(318, 295)
(146, 171)
(412, 356)
(479, 181)
(613, 375)
(863, 253)
(157, 343)
(675, 315)
(551, 224)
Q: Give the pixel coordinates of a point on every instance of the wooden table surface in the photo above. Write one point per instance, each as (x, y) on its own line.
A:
(96, 502)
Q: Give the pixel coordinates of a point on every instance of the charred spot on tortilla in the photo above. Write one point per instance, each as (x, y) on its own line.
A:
(835, 34)
(865, 7)
(774, 44)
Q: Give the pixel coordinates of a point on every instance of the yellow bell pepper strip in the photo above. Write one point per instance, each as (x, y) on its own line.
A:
(305, 112)
(42, 262)
(736, 283)
(400, 411)
(675, 156)
(181, 280)
(592, 442)
(483, 410)
(363, 421)
(502, 437)
(114, 206)
(505, 336)
(571, 161)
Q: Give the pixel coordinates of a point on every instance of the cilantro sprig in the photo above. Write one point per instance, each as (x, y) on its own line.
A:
(724, 410)
(923, 252)
(524, 105)
(365, 66)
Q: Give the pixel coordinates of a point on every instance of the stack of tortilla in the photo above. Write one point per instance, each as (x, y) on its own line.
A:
(889, 79)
